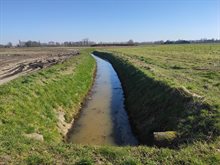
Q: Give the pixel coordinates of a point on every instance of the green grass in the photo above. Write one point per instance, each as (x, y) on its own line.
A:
(38, 153)
(196, 67)
(28, 105)
(177, 87)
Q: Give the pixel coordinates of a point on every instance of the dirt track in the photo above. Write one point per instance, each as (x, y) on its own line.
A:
(15, 62)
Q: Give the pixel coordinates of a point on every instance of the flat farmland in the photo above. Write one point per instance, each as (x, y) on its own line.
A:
(37, 107)
(195, 68)
(19, 61)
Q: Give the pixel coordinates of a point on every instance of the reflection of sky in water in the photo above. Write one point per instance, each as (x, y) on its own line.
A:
(103, 119)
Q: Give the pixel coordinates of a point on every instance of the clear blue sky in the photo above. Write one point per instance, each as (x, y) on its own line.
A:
(108, 20)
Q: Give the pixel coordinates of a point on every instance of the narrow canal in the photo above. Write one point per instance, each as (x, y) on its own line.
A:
(103, 119)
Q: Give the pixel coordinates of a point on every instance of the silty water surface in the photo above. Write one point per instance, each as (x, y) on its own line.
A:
(103, 120)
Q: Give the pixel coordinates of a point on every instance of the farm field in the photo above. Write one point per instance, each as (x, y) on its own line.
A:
(36, 102)
(194, 67)
(107, 82)
(190, 71)
(19, 61)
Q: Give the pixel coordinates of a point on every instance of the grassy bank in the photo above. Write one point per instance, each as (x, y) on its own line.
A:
(171, 88)
(31, 104)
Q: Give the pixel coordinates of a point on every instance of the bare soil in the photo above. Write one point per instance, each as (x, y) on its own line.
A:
(15, 62)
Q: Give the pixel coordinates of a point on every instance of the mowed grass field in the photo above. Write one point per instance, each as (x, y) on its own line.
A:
(194, 67)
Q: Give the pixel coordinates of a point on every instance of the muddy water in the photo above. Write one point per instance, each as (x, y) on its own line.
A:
(103, 120)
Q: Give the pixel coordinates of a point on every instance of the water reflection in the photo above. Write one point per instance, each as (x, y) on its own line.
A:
(103, 120)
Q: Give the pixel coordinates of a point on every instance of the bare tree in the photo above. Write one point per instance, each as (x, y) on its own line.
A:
(130, 42)
(9, 44)
(85, 42)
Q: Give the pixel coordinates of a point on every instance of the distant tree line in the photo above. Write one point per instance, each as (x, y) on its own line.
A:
(87, 43)
(128, 43)
(84, 42)
(181, 41)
